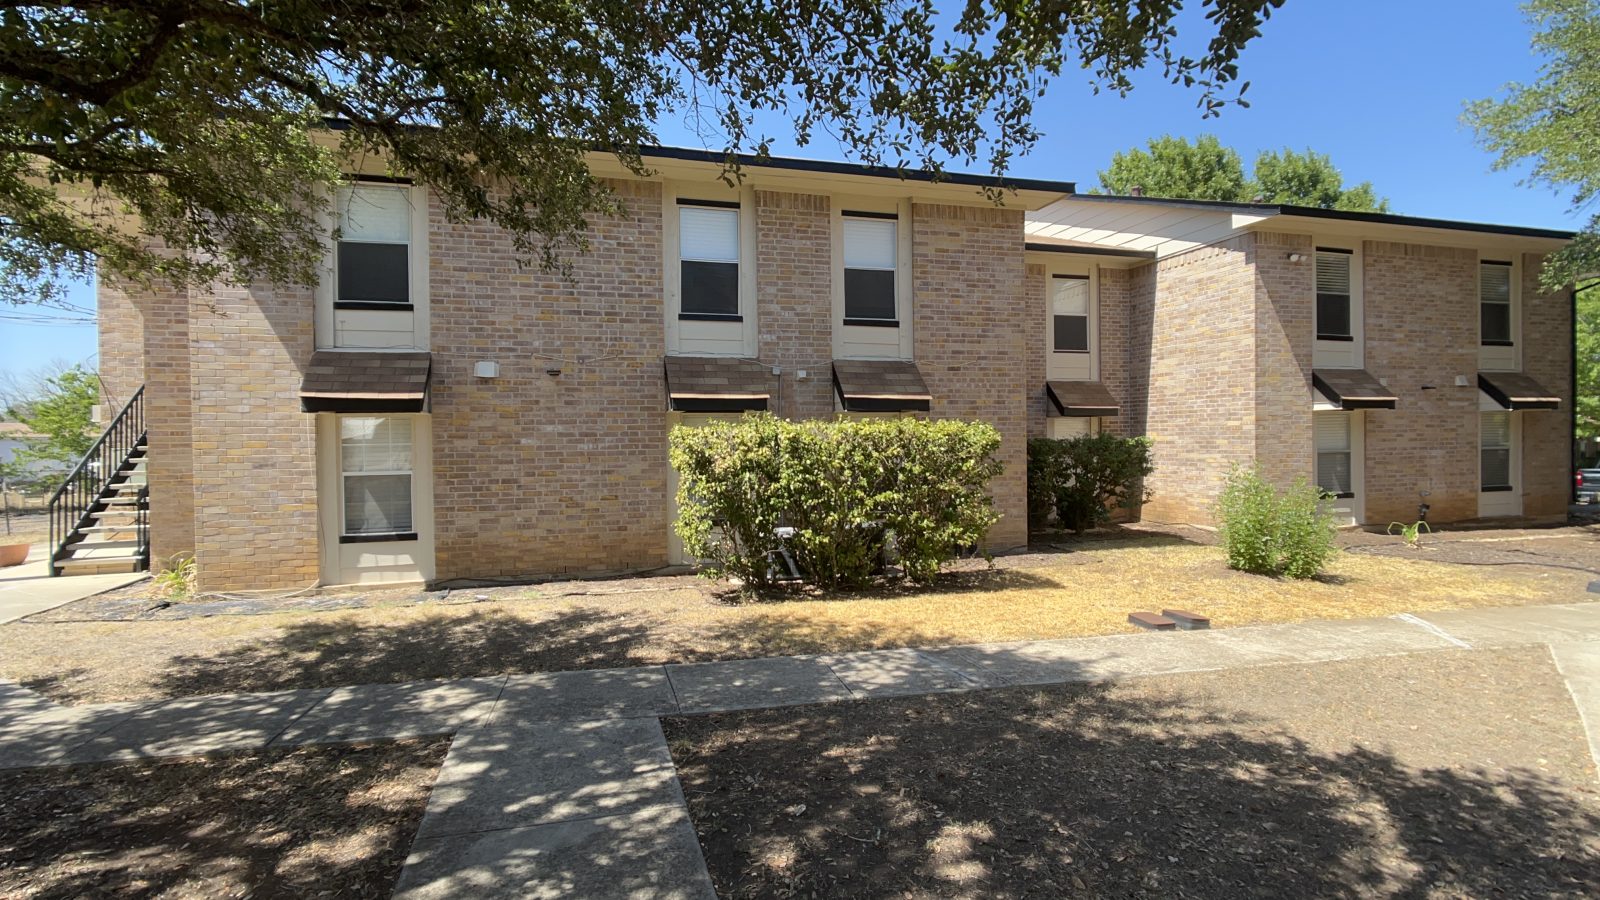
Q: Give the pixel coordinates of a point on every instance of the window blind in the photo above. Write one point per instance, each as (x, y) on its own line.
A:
(869, 243)
(710, 235)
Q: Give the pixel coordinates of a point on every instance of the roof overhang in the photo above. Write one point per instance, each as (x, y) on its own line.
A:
(880, 385)
(1080, 399)
(367, 381)
(1514, 390)
(1352, 389)
(717, 384)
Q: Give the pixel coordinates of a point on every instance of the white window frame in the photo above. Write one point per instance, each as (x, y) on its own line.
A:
(410, 472)
(1345, 510)
(1068, 365)
(353, 326)
(874, 341)
(718, 337)
(1498, 357)
(1340, 354)
(1056, 427)
(369, 559)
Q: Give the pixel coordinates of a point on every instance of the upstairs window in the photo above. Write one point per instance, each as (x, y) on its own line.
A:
(871, 246)
(1494, 451)
(373, 256)
(375, 465)
(1333, 453)
(1333, 295)
(1494, 303)
(1069, 307)
(708, 257)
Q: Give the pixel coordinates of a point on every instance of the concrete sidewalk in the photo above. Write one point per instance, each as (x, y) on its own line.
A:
(29, 589)
(561, 783)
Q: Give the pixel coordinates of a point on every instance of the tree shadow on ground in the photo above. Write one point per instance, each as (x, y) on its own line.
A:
(1114, 791)
(331, 821)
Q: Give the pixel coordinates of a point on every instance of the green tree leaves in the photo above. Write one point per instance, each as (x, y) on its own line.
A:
(1553, 124)
(62, 417)
(198, 121)
(1174, 168)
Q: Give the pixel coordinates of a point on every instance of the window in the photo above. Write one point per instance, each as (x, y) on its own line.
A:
(375, 465)
(1334, 473)
(1333, 295)
(871, 247)
(1494, 303)
(1494, 450)
(373, 257)
(1069, 306)
(708, 257)
(1067, 427)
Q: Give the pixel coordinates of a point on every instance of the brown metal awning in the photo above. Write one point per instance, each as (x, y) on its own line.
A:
(880, 385)
(1080, 399)
(1352, 389)
(360, 381)
(717, 384)
(1514, 390)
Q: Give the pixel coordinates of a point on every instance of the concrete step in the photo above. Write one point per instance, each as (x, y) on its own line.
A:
(97, 547)
(99, 565)
(130, 528)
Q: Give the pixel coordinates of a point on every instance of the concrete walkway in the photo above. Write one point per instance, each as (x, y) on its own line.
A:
(561, 784)
(28, 588)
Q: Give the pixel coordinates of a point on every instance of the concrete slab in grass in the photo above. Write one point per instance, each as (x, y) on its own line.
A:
(1510, 626)
(754, 684)
(651, 853)
(42, 738)
(381, 711)
(195, 726)
(895, 673)
(508, 776)
(597, 694)
(1338, 639)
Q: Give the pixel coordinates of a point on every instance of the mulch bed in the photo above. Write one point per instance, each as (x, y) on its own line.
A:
(311, 822)
(1439, 775)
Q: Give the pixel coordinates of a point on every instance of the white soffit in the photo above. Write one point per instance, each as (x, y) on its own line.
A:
(1152, 227)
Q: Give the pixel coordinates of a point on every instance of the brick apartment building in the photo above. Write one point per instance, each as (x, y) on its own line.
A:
(432, 412)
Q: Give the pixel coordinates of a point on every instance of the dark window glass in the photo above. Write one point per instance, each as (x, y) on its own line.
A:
(377, 504)
(1072, 333)
(1333, 315)
(711, 288)
(1333, 472)
(1496, 321)
(373, 273)
(869, 294)
(1496, 467)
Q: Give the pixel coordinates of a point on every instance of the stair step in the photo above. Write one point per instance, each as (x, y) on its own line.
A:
(102, 529)
(120, 500)
(99, 565)
(85, 547)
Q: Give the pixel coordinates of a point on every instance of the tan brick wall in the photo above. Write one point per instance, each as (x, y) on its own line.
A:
(1116, 335)
(121, 341)
(168, 404)
(1285, 304)
(1546, 434)
(794, 298)
(1193, 356)
(255, 492)
(535, 474)
(972, 326)
(1421, 332)
(1037, 287)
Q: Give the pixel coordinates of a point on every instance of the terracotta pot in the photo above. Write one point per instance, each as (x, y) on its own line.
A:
(13, 554)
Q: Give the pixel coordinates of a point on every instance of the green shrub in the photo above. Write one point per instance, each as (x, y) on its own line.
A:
(854, 492)
(1082, 479)
(1270, 532)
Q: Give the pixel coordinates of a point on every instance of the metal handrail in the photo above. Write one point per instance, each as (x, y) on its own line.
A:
(73, 502)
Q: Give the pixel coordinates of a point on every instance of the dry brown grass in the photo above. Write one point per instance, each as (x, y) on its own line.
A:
(1089, 591)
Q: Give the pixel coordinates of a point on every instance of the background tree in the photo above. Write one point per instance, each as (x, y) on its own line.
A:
(1588, 358)
(1206, 170)
(198, 118)
(1554, 123)
(62, 417)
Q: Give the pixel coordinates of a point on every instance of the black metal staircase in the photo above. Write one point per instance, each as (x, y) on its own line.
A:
(100, 516)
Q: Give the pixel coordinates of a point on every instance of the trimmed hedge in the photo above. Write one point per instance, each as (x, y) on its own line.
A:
(1082, 479)
(854, 493)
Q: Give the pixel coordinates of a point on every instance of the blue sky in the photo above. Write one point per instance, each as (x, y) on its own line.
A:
(1379, 86)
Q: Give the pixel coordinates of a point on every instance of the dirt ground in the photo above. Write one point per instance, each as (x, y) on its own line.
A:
(313, 822)
(1067, 588)
(1449, 774)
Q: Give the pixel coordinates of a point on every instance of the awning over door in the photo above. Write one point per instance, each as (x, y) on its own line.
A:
(1352, 389)
(880, 385)
(1514, 390)
(717, 384)
(1080, 399)
(362, 381)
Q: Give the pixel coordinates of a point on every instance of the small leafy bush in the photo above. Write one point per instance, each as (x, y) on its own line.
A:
(854, 494)
(1082, 479)
(1266, 531)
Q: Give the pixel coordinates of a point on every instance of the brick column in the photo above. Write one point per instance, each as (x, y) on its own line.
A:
(794, 298)
(1285, 299)
(1547, 357)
